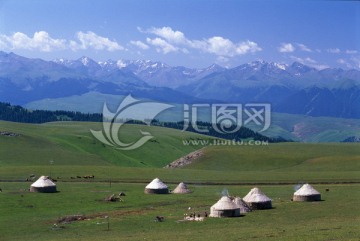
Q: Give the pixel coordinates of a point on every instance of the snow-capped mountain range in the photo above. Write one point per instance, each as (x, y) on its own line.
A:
(154, 73)
(294, 88)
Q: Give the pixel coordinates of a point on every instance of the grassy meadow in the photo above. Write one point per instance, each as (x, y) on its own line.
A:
(74, 152)
(31, 216)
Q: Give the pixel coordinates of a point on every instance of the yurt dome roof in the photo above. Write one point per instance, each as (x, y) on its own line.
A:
(156, 184)
(306, 190)
(225, 203)
(43, 181)
(256, 195)
(181, 188)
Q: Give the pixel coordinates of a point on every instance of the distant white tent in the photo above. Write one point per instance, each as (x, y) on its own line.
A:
(225, 207)
(182, 189)
(43, 184)
(307, 193)
(240, 203)
(256, 199)
(156, 186)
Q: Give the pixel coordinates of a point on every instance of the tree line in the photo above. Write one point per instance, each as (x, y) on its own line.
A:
(17, 113)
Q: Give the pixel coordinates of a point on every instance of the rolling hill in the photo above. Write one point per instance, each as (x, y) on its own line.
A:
(74, 151)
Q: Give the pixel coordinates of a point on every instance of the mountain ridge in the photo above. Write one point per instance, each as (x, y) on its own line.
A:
(294, 88)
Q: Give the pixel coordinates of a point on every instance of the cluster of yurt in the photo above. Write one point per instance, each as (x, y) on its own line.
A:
(233, 207)
(256, 199)
(225, 207)
(156, 186)
(43, 184)
(307, 194)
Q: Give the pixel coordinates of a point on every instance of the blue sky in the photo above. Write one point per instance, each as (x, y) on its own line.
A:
(189, 33)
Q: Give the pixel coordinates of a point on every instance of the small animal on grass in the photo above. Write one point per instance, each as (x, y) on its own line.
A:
(159, 218)
(89, 177)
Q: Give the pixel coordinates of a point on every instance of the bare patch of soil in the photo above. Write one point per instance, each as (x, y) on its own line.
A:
(186, 160)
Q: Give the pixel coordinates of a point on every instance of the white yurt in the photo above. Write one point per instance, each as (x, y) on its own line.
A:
(182, 188)
(240, 203)
(225, 207)
(43, 184)
(256, 199)
(156, 186)
(307, 193)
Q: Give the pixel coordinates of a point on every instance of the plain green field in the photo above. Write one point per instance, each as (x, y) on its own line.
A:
(30, 216)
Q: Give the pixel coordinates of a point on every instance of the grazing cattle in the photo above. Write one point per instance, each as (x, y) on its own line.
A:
(89, 177)
(159, 218)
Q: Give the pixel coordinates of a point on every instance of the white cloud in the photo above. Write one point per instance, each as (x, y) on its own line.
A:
(351, 51)
(170, 35)
(169, 40)
(161, 45)
(286, 48)
(224, 47)
(334, 51)
(220, 46)
(140, 44)
(310, 62)
(91, 40)
(40, 41)
(303, 47)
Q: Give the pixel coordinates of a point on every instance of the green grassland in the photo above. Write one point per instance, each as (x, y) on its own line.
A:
(31, 216)
(74, 151)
